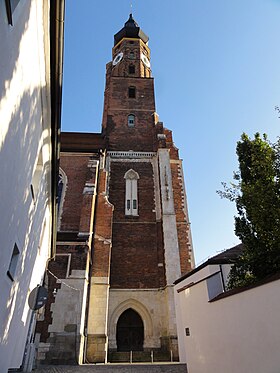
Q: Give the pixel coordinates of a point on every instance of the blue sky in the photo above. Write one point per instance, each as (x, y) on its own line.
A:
(216, 67)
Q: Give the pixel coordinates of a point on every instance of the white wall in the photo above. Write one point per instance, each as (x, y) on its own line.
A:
(239, 333)
(24, 139)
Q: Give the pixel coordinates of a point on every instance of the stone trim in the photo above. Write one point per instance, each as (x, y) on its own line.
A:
(131, 154)
(139, 308)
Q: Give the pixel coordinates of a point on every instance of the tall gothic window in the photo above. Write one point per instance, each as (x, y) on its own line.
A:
(131, 200)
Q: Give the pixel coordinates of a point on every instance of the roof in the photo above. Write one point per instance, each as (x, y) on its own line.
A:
(82, 142)
(130, 30)
(226, 257)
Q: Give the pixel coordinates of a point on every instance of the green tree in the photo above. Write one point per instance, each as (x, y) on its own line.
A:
(256, 192)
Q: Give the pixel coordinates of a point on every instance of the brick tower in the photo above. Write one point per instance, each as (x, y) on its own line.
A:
(124, 235)
(131, 297)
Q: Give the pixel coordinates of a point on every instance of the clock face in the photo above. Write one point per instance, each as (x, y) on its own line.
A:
(145, 60)
(118, 58)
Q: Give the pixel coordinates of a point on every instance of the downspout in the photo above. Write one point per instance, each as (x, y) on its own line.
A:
(85, 361)
(56, 61)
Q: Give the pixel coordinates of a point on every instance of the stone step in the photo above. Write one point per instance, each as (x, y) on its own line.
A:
(139, 357)
(115, 368)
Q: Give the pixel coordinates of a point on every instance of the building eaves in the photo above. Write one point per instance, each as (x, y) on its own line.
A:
(81, 142)
(226, 257)
(57, 9)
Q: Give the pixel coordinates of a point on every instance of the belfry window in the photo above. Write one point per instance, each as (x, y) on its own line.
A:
(131, 92)
(131, 69)
(131, 55)
(131, 120)
(131, 200)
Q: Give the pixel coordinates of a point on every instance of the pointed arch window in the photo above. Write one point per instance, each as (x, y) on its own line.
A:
(131, 120)
(61, 189)
(131, 193)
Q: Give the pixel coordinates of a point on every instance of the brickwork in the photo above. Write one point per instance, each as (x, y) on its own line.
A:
(77, 257)
(173, 151)
(88, 202)
(137, 244)
(118, 106)
(128, 46)
(134, 262)
(181, 218)
(75, 168)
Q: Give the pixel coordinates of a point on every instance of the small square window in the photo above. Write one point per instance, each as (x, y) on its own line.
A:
(131, 55)
(131, 92)
(13, 263)
(187, 331)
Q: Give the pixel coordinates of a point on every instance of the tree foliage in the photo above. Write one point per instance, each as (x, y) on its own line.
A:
(256, 192)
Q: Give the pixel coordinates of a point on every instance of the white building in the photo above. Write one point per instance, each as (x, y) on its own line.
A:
(30, 95)
(227, 331)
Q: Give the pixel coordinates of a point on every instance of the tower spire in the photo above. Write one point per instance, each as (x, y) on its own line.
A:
(131, 29)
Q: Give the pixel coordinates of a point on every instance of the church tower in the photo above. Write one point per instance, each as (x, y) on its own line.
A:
(123, 229)
(131, 304)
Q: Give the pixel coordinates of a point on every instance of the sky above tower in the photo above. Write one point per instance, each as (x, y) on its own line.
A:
(216, 69)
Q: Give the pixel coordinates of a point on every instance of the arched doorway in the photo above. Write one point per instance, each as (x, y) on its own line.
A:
(130, 331)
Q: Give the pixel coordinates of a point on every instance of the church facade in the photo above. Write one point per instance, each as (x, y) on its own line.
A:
(124, 233)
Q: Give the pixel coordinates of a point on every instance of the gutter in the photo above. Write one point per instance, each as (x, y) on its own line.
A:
(57, 8)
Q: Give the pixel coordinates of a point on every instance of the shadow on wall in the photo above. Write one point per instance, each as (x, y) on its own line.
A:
(21, 215)
(9, 60)
(21, 136)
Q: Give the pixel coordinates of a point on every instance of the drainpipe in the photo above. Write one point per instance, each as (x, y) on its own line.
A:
(56, 61)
